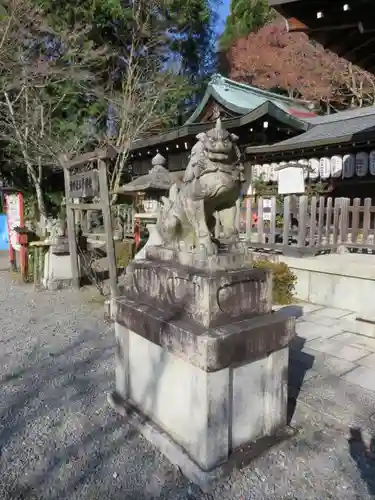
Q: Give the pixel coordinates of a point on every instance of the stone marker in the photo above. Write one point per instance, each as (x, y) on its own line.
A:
(201, 359)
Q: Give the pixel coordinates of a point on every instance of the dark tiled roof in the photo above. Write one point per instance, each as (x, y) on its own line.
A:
(341, 115)
(325, 130)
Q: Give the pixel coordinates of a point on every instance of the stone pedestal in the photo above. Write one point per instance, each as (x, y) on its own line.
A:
(202, 361)
(58, 273)
(153, 239)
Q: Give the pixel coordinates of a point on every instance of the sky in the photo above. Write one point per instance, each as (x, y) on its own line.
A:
(223, 12)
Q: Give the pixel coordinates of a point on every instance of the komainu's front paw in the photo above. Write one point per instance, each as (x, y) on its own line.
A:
(208, 247)
(234, 243)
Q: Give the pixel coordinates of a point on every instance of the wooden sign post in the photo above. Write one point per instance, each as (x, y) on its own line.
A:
(83, 184)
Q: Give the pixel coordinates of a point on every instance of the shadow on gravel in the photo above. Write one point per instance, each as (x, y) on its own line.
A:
(59, 439)
(299, 363)
(364, 457)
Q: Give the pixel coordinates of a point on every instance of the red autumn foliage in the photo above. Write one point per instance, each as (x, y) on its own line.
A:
(275, 58)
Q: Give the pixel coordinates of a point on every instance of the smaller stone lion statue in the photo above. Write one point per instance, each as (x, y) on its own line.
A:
(212, 183)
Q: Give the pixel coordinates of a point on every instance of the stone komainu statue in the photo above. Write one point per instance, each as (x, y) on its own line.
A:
(212, 183)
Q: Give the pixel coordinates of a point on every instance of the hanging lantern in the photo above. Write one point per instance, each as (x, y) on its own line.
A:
(256, 171)
(336, 166)
(325, 168)
(266, 172)
(261, 172)
(361, 164)
(273, 172)
(314, 168)
(372, 163)
(348, 166)
(305, 164)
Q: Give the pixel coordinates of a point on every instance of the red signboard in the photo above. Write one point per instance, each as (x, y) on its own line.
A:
(15, 216)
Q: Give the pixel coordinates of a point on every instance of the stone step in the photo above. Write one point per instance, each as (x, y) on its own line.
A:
(366, 324)
(346, 403)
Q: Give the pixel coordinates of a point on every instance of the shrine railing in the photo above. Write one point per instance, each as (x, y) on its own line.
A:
(302, 225)
(290, 225)
(124, 219)
(91, 222)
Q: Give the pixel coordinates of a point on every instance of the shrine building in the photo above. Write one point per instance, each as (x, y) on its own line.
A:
(338, 149)
(256, 116)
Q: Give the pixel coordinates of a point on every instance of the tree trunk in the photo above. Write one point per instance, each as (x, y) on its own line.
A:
(40, 200)
(113, 199)
(38, 189)
(115, 184)
(36, 178)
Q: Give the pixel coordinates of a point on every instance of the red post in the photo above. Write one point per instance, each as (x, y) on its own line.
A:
(12, 253)
(22, 239)
(15, 217)
(137, 234)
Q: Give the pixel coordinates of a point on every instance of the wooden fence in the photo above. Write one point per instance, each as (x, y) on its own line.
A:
(302, 225)
(123, 216)
(91, 222)
(293, 225)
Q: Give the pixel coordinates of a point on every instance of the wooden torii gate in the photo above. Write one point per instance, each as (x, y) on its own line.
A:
(83, 182)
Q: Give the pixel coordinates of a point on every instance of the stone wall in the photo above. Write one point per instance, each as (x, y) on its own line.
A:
(272, 257)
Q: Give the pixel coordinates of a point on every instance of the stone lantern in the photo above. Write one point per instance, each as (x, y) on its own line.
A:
(153, 185)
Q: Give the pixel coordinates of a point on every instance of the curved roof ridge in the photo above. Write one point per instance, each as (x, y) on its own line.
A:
(218, 79)
(241, 98)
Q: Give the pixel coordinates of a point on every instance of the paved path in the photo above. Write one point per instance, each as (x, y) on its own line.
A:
(60, 440)
(339, 363)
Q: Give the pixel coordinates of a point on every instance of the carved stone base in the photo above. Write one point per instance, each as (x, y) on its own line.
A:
(201, 355)
(223, 261)
(206, 480)
(211, 392)
(207, 297)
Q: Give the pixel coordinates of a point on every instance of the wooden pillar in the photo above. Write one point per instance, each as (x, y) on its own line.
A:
(238, 214)
(107, 219)
(249, 217)
(71, 231)
(88, 220)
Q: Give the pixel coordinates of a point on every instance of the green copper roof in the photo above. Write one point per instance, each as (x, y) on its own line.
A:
(242, 98)
(192, 129)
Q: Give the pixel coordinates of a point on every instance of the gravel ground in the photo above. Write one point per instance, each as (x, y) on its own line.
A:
(60, 440)
(4, 261)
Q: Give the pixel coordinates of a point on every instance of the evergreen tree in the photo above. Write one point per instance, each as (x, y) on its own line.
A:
(94, 72)
(185, 28)
(186, 38)
(245, 16)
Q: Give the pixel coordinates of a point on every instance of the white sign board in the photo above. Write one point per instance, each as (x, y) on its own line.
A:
(291, 180)
(267, 206)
